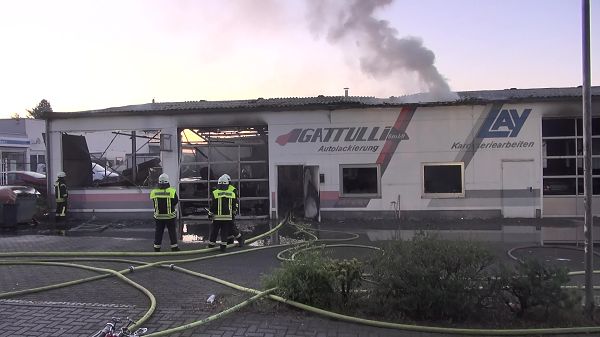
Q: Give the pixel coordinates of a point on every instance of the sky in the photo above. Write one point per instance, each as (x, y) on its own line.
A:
(83, 55)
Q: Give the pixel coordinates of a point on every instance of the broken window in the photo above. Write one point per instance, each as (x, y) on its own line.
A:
(443, 180)
(111, 158)
(360, 180)
(208, 153)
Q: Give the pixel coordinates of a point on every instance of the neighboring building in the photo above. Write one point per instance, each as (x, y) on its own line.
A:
(497, 153)
(22, 144)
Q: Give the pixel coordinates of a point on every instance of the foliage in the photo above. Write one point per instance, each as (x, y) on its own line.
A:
(429, 278)
(347, 276)
(40, 110)
(534, 285)
(314, 279)
(307, 279)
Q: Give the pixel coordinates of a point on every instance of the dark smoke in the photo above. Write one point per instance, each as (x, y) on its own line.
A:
(381, 52)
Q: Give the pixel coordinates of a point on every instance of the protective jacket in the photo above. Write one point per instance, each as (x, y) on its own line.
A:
(224, 203)
(60, 191)
(164, 199)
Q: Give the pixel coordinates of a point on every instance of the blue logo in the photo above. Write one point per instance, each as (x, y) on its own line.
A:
(503, 124)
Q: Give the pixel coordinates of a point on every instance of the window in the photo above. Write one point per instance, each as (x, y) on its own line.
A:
(562, 156)
(360, 180)
(105, 159)
(443, 180)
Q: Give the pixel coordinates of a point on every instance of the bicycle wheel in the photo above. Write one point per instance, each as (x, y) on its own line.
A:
(99, 334)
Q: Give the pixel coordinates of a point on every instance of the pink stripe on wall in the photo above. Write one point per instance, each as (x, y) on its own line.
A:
(330, 195)
(112, 197)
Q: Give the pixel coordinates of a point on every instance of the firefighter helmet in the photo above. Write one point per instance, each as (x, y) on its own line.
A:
(163, 179)
(224, 179)
(61, 174)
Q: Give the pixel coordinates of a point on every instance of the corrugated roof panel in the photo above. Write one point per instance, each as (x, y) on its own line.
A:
(266, 104)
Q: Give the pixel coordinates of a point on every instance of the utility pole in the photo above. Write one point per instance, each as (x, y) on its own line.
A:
(588, 225)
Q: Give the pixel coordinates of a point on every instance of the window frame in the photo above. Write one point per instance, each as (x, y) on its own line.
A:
(359, 195)
(578, 156)
(426, 195)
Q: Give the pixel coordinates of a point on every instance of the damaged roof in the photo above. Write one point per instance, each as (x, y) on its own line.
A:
(341, 102)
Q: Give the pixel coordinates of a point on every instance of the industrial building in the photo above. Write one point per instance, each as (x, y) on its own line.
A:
(488, 154)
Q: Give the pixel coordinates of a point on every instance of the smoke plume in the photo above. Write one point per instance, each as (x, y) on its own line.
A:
(381, 53)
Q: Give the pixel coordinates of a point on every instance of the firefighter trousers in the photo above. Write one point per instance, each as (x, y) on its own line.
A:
(160, 225)
(219, 228)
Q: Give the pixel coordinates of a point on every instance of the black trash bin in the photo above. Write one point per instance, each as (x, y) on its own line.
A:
(9, 216)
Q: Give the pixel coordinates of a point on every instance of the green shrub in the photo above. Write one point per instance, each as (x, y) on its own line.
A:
(307, 279)
(314, 279)
(533, 286)
(428, 278)
(347, 276)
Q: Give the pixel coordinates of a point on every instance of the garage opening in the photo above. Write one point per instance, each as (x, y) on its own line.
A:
(298, 191)
(207, 153)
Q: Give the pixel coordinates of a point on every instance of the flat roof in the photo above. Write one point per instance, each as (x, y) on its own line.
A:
(336, 102)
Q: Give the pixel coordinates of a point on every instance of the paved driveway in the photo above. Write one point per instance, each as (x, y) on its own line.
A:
(82, 309)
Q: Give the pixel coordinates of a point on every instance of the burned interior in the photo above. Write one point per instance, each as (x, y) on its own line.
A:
(207, 153)
(111, 158)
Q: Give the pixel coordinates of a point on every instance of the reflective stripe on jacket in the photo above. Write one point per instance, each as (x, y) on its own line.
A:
(164, 201)
(236, 205)
(60, 191)
(224, 203)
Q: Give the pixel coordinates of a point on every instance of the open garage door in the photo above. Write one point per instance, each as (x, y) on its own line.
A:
(298, 191)
(207, 153)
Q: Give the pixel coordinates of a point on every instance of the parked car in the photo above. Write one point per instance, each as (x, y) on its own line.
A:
(100, 173)
(27, 178)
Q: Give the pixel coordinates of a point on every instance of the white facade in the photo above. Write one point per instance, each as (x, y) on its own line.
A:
(492, 151)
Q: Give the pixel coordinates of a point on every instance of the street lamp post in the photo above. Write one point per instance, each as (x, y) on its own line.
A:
(587, 154)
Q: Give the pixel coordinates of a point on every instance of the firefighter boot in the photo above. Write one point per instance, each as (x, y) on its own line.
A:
(241, 241)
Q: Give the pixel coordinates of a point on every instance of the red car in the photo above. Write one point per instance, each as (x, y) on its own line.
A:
(27, 178)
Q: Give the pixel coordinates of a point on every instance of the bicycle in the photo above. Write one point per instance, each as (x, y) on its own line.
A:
(111, 330)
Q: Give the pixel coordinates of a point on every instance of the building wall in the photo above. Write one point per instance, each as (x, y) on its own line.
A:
(492, 141)
(430, 135)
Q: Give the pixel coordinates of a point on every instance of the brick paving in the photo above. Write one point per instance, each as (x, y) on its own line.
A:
(82, 309)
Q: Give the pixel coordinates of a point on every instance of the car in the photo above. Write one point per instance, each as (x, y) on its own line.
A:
(100, 173)
(27, 178)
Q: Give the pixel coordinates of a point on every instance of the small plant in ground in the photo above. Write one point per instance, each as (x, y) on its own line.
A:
(533, 286)
(317, 280)
(432, 279)
(308, 279)
(347, 276)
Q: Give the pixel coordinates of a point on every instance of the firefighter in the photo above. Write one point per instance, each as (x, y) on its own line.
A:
(164, 199)
(234, 232)
(223, 207)
(62, 196)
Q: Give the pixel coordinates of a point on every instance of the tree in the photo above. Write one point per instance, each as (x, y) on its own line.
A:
(40, 110)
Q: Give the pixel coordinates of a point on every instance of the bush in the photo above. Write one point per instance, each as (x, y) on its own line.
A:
(533, 285)
(428, 278)
(314, 279)
(347, 278)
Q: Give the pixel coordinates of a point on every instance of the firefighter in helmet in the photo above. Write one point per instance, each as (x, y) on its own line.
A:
(234, 232)
(62, 196)
(164, 199)
(223, 206)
